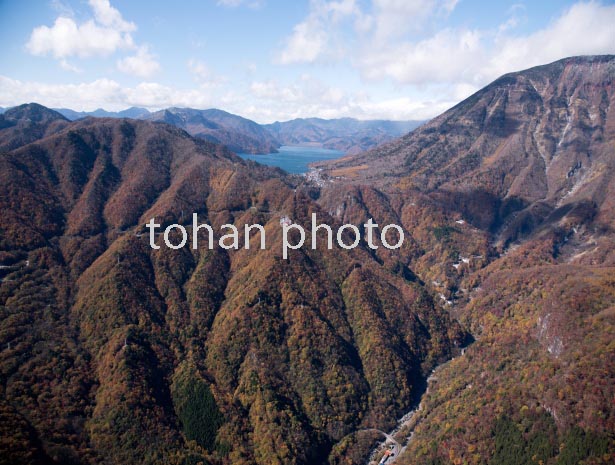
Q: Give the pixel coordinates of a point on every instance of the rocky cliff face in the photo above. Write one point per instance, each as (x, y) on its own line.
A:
(535, 144)
(508, 197)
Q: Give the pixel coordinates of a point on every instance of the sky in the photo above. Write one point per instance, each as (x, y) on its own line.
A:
(276, 60)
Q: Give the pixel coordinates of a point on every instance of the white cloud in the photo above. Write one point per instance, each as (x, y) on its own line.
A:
(66, 39)
(107, 94)
(403, 42)
(476, 57)
(432, 69)
(103, 35)
(142, 64)
(305, 91)
(271, 90)
(263, 101)
(448, 56)
(307, 97)
(110, 17)
(251, 67)
(313, 38)
(447, 6)
(393, 45)
(584, 29)
(404, 108)
(204, 76)
(155, 95)
(306, 44)
(86, 96)
(316, 37)
(516, 16)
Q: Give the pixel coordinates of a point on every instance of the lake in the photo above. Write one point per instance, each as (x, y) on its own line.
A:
(294, 159)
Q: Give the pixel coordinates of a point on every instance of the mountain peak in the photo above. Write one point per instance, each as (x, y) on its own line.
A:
(26, 123)
(33, 112)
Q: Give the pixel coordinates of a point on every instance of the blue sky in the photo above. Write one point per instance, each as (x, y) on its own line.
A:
(277, 59)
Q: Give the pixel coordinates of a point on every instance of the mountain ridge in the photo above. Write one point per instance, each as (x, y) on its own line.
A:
(509, 196)
(348, 135)
(551, 153)
(136, 329)
(218, 126)
(132, 112)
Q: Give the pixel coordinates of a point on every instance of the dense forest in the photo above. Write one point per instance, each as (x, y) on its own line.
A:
(495, 320)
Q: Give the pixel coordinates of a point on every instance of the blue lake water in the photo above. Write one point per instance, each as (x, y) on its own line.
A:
(294, 159)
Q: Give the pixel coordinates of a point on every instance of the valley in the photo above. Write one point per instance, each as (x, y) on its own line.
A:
(489, 331)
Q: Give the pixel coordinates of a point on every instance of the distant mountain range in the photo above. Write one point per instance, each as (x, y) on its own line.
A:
(132, 112)
(238, 134)
(242, 135)
(345, 134)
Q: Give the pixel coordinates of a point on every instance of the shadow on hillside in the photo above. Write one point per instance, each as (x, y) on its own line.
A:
(513, 218)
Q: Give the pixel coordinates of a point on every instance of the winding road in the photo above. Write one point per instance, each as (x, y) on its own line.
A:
(396, 450)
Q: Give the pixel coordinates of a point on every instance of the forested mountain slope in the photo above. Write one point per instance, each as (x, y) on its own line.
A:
(113, 352)
(509, 196)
